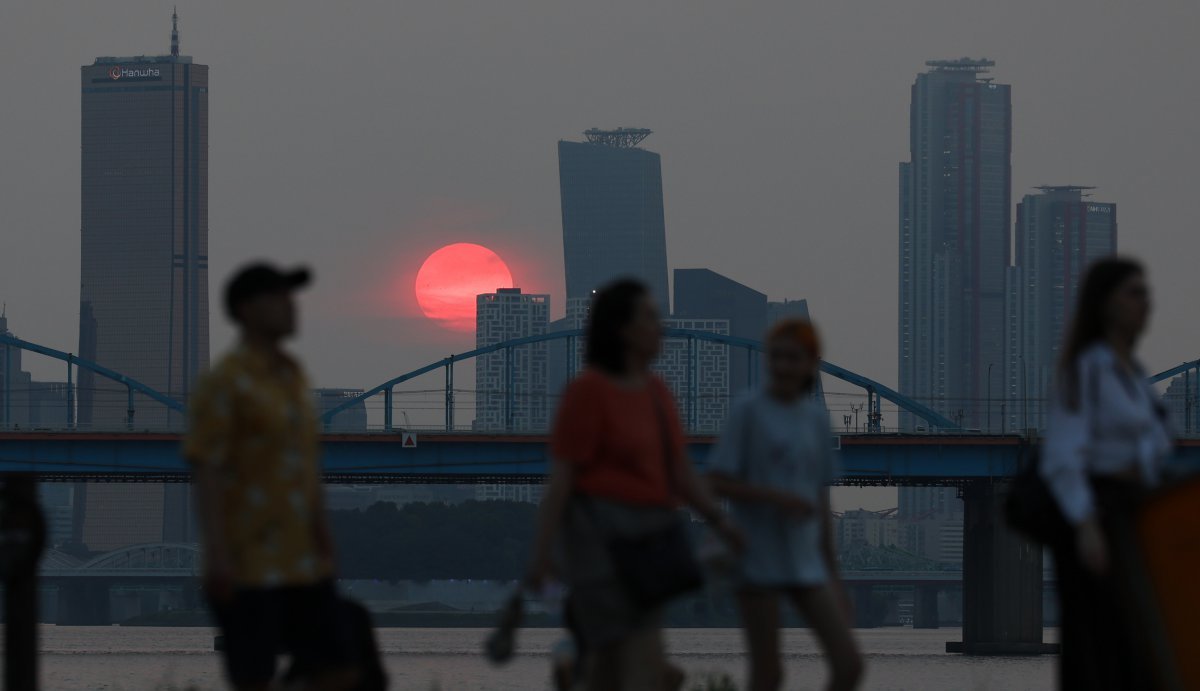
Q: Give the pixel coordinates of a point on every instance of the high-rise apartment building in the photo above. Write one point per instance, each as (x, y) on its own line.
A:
(352, 419)
(706, 294)
(144, 232)
(1060, 232)
(510, 384)
(1182, 400)
(954, 223)
(697, 372)
(612, 213)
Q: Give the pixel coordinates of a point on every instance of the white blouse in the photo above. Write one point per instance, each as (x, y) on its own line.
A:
(1117, 426)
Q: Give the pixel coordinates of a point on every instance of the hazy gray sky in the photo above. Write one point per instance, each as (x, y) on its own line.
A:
(360, 136)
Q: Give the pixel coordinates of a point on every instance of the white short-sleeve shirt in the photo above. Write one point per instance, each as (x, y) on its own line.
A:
(788, 447)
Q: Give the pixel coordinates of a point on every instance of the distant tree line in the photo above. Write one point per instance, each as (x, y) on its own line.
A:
(482, 540)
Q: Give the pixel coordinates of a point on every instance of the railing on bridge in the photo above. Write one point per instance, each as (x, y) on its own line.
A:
(875, 391)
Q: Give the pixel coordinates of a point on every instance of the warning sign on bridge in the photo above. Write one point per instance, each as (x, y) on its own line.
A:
(409, 440)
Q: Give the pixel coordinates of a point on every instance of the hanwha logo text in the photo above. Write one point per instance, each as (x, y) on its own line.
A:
(114, 72)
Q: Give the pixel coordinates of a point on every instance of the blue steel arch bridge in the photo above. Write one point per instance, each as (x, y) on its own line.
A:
(951, 455)
(1001, 577)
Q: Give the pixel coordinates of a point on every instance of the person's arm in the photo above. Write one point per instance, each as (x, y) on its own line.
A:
(730, 487)
(1063, 465)
(206, 451)
(217, 564)
(727, 470)
(550, 517)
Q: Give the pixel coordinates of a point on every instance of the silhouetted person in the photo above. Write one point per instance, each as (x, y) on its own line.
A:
(619, 470)
(774, 463)
(1105, 444)
(253, 447)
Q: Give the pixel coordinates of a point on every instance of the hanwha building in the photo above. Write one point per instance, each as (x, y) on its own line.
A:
(144, 188)
(143, 303)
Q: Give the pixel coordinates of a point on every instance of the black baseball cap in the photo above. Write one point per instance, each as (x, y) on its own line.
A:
(260, 278)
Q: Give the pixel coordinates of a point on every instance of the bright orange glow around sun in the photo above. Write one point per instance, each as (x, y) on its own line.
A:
(450, 279)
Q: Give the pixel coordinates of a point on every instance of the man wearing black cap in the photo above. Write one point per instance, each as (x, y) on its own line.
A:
(253, 446)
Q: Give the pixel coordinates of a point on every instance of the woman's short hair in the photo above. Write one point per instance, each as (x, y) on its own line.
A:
(613, 308)
(799, 331)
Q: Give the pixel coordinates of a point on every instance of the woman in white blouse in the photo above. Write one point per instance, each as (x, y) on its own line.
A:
(1106, 442)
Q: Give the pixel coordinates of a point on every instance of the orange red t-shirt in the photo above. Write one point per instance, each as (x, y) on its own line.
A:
(613, 437)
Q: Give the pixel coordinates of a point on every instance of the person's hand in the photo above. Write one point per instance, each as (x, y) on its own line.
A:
(1092, 546)
(541, 572)
(218, 575)
(730, 534)
(796, 507)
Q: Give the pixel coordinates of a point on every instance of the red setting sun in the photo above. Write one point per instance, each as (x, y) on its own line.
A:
(450, 279)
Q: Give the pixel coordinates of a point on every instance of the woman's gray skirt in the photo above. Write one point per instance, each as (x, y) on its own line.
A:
(600, 609)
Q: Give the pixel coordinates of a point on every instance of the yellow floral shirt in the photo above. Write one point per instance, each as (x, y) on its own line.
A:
(253, 423)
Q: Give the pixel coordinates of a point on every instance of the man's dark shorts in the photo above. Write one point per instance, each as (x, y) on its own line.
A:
(301, 621)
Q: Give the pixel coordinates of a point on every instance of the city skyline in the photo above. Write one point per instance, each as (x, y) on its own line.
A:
(378, 334)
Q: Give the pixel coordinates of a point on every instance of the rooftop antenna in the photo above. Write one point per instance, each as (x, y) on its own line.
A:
(175, 32)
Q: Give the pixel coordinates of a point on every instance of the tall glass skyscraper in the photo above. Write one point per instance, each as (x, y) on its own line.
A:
(1060, 231)
(954, 224)
(144, 231)
(143, 297)
(612, 213)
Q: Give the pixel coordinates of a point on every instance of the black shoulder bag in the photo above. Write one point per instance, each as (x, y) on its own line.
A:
(1030, 507)
(657, 567)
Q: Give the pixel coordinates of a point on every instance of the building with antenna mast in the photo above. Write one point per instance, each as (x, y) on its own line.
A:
(612, 213)
(143, 299)
(144, 230)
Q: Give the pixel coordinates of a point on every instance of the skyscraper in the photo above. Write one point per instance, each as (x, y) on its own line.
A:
(612, 213)
(144, 231)
(706, 294)
(954, 223)
(510, 385)
(143, 298)
(1059, 233)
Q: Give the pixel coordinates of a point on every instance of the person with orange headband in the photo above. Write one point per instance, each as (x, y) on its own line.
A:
(774, 464)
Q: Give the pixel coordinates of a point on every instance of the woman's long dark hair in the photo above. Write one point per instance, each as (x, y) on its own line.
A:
(1090, 323)
(613, 308)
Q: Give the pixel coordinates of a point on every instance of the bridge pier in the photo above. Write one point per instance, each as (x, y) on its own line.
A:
(925, 607)
(864, 611)
(1002, 580)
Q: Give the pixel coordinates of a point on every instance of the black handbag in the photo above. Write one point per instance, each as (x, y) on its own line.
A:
(657, 567)
(1030, 507)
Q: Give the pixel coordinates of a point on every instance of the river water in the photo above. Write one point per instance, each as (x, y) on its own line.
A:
(142, 658)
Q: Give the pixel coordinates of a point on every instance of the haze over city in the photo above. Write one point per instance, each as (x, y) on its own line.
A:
(360, 139)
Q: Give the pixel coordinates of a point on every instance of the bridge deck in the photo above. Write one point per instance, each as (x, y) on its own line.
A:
(464, 458)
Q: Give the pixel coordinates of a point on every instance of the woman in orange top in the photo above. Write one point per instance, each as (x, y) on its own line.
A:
(609, 479)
